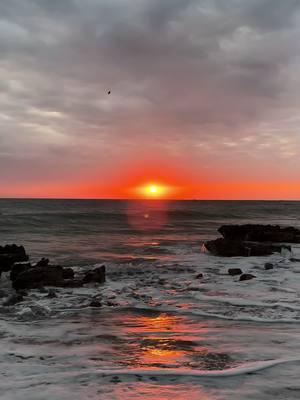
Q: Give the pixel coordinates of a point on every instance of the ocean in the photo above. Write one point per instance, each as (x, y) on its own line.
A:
(162, 332)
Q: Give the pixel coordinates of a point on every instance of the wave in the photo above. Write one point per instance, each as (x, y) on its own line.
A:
(247, 303)
(241, 370)
(198, 313)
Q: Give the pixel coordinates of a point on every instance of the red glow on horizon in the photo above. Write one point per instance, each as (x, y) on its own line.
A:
(154, 180)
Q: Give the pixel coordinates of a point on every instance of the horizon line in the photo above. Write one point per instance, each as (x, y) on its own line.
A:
(139, 199)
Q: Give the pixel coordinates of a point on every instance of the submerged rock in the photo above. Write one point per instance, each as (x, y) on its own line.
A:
(247, 277)
(236, 248)
(235, 271)
(260, 233)
(269, 266)
(95, 303)
(51, 294)
(295, 259)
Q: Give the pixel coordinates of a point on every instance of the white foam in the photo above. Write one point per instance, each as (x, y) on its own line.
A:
(245, 369)
(240, 317)
(245, 302)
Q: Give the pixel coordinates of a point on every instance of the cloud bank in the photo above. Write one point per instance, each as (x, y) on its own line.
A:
(212, 84)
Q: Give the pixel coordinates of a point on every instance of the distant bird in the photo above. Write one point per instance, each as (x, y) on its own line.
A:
(109, 92)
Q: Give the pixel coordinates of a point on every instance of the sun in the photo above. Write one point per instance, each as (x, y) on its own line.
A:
(153, 190)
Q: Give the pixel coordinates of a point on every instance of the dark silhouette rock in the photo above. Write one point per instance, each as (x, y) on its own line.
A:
(13, 300)
(23, 293)
(234, 248)
(199, 276)
(72, 283)
(269, 266)
(260, 233)
(17, 268)
(246, 277)
(36, 277)
(235, 271)
(10, 254)
(95, 303)
(44, 262)
(68, 273)
(295, 259)
(51, 294)
(96, 275)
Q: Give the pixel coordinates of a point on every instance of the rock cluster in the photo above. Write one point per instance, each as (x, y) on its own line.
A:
(260, 233)
(10, 254)
(252, 240)
(25, 275)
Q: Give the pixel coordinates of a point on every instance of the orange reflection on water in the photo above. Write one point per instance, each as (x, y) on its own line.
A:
(165, 323)
(164, 340)
(147, 215)
(147, 391)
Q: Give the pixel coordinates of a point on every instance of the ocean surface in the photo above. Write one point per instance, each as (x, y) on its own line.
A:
(162, 331)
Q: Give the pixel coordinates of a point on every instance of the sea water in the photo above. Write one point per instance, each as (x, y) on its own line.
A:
(162, 332)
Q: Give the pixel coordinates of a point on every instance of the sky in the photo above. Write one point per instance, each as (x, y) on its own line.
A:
(204, 98)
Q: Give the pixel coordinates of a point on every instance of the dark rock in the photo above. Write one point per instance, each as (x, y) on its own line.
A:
(96, 275)
(72, 283)
(95, 303)
(10, 254)
(269, 266)
(39, 276)
(3, 293)
(111, 304)
(68, 273)
(12, 300)
(246, 277)
(235, 271)
(17, 268)
(295, 259)
(234, 248)
(51, 294)
(199, 276)
(44, 262)
(260, 233)
(41, 289)
(23, 293)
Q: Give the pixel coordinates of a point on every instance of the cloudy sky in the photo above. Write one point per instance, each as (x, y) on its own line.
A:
(207, 88)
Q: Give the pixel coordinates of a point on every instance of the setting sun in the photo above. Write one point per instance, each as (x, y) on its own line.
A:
(153, 190)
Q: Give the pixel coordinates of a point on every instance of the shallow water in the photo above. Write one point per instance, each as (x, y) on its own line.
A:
(161, 332)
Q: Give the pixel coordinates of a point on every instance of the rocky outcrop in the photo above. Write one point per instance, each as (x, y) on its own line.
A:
(36, 277)
(260, 233)
(252, 240)
(11, 254)
(25, 275)
(235, 248)
(269, 266)
(96, 275)
(17, 268)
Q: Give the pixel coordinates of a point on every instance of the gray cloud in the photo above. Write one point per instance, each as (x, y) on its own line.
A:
(200, 76)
